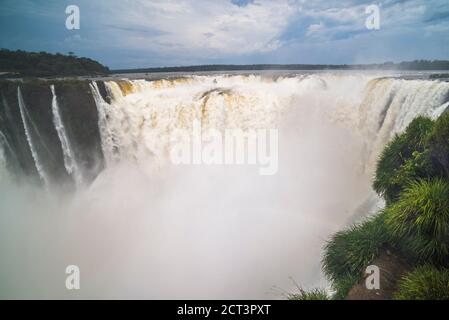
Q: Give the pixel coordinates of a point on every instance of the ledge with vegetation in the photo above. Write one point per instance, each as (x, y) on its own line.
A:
(409, 239)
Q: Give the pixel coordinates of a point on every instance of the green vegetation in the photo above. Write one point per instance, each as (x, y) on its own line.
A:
(350, 251)
(313, 294)
(412, 175)
(404, 159)
(342, 286)
(421, 219)
(42, 64)
(424, 283)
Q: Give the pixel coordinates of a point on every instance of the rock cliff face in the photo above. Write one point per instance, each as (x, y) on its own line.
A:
(50, 134)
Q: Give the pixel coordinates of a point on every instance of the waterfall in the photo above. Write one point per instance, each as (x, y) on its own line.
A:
(331, 128)
(70, 162)
(6, 106)
(3, 165)
(24, 115)
(6, 145)
(138, 122)
(440, 110)
(106, 135)
(142, 114)
(389, 105)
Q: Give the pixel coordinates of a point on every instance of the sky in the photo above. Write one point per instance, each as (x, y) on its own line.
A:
(153, 33)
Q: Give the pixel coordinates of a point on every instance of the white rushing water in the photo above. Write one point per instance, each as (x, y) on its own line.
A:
(25, 120)
(70, 162)
(3, 164)
(146, 228)
(107, 136)
(5, 147)
(389, 105)
(143, 114)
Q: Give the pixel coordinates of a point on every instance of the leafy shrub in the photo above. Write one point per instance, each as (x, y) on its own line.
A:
(404, 159)
(424, 283)
(349, 251)
(420, 219)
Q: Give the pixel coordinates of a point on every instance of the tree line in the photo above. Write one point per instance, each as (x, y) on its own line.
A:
(406, 65)
(42, 64)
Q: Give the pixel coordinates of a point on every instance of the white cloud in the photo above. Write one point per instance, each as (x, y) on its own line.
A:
(313, 28)
(204, 27)
(168, 32)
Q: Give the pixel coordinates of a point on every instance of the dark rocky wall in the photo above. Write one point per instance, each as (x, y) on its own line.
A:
(104, 93)
(19, 158)
(38, 98)
(79, 116)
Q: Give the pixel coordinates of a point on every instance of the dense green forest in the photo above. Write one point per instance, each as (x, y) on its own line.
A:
(42, 64)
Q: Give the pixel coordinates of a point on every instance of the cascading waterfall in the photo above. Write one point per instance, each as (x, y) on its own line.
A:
(6, 148)
(6, 145)
(70, 162)
(195, 231)
(25, 118)
(142, 114)
(3, 164)
(440, 110)
(106, 134)
(389, 105)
